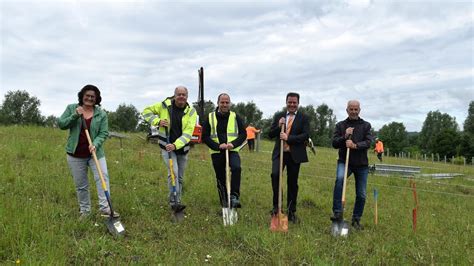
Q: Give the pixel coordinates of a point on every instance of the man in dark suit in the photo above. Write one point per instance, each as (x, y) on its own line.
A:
(294, 151)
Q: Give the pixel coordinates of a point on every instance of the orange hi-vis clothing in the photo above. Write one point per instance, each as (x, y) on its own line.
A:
(379, 147)
(251, 132)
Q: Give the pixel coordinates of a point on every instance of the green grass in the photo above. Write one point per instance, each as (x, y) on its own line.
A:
(39, 212)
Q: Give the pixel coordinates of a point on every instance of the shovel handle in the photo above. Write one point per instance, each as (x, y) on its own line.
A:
(280, 188)
(227, 176)
(346, 168)
(170, 161)
(99, 169)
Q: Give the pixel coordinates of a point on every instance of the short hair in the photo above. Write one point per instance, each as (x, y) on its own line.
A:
(181, 87)
(80, 95)
(222, 94)
(293, 94)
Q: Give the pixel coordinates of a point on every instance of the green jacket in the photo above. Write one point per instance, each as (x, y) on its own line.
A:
(99, 129)
(154, 113)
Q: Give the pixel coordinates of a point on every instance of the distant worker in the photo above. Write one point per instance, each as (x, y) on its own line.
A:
(251, 131)
(379, 148)
(176, 120)
(79, 151)
(224, 130)
(353, 133)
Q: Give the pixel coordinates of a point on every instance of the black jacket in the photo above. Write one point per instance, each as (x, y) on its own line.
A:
(299, 134)
(361, 136)
(222, 120)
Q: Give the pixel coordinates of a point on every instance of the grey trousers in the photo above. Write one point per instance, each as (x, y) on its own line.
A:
(79, 167)
(179, 165)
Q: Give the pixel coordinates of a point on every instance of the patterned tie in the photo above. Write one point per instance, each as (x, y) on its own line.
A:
(290, 118)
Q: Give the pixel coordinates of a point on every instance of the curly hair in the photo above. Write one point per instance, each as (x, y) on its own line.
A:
(89, 87)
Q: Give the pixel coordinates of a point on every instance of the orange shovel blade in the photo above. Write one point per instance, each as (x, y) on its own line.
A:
(279, 223)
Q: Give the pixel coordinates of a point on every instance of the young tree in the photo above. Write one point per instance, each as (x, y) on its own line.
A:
(467, 140)
(249, 112)
(394, 136)
(125, 118)
(51, 121)
(324, 126)
(20, 108)
(434, 124)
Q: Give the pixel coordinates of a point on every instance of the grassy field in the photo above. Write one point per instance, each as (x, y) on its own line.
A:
(39, 212)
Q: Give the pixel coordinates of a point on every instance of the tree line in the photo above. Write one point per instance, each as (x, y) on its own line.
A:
(439, 135)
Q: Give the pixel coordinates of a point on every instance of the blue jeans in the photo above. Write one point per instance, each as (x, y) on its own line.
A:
(79, 168)
(179, 164)
(360, 174)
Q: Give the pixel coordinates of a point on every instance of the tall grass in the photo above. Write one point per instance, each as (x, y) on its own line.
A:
(39, 213)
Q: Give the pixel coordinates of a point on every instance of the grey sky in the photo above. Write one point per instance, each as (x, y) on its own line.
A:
(400, 59)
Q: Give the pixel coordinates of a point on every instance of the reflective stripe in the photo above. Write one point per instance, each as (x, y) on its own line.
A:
(186, 148)
(148, 116)
(213, 136)
(192, 112)
(183, 139)
(155, 121)
(187, 136)
(233, 134)
(232, 129)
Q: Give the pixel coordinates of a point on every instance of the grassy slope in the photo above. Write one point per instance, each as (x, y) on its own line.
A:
(39, 225)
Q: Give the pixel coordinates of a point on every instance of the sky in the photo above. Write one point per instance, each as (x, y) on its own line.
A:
(400, 59)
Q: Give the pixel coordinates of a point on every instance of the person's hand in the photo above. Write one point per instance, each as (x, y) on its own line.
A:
(282, 121)
(79, 110)
(91, 148)
(349, 131)
(230, 146)
(163, 123)
(170, 147)
(283, 136)
(350, 144)
(223, 146)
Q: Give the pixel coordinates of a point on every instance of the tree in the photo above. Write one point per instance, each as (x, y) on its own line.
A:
(324, 126)
(125, 118)
(467, 139)
(447, 142)
(249, 112)
(20, 108)
(209, 107)
(434, 124)
(394, 136)
(51, 121)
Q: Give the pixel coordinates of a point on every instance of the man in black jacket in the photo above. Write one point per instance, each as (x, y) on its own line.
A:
(224, 130)
(353, 133)
(294, 153)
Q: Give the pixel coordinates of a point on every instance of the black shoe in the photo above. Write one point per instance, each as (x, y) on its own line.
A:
(178, 207)
(293, 218)
(274, 212)
(357, 226)
(235, 202)
(336, 217)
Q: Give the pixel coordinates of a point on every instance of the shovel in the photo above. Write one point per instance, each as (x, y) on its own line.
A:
(279, 221)
(229, 215)
(341, 228)
(114, 225)
(178, 214)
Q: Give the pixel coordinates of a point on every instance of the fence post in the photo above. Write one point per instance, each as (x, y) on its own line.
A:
(432, 158)
(445, 159)
(437, 156)
(424, 155)
(464, 158)
(408, 155)
(388, 152)
(257, 145)
(452, 159)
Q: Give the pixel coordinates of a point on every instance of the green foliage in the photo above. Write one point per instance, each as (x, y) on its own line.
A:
(249, 112)
(325, 124)
(469, 122)
(39, 212)
(20, 108)
(394, 136)
(467, 139)
(434, 124)
(51, 121)
(125, 118)
(209, 107)
(447, 142)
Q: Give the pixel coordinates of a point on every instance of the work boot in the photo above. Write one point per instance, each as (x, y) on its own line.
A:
(235, 202)
(336, 217)
(178, 207)
(274, 211)
(357, 226)
(293, 218)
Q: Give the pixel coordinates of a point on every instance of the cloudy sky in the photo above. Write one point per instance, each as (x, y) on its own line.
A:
(401, 59)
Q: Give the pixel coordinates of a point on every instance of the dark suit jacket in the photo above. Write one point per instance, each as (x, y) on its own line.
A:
(298, 135)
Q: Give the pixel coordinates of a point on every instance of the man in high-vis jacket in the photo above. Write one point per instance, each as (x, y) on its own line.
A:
(224, 130)
(175, 120)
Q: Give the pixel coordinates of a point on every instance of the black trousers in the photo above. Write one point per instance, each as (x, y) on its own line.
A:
(251, 143)
(219, 163)
(293, 170)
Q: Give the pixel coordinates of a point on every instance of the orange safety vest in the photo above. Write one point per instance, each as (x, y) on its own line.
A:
(379, 147)
(251, 132)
